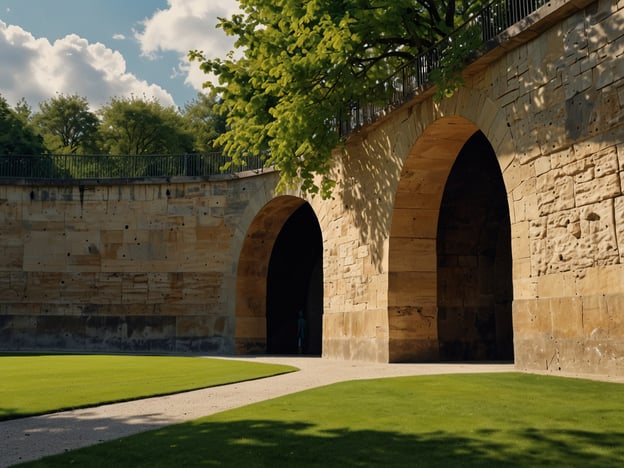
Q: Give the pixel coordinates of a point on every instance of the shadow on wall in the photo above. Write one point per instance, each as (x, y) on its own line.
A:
(368, 189)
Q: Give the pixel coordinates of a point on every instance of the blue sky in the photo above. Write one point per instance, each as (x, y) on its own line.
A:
(104, 48)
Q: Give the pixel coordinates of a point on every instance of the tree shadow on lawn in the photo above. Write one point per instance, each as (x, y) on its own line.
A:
(261, 443)
(8, 413)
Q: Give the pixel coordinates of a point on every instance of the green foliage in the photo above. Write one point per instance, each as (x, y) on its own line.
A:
(41, 384)
(204, 122)
(138, 126)
(447, 77)
(16, 136)
(301, 63)
(481, 420)
(23, 111)
(67, 125)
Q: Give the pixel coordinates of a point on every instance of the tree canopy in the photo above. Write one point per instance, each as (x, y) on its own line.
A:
(298, 64)
(139, 126)
(16, 137)
(67, 125)
(204, 122)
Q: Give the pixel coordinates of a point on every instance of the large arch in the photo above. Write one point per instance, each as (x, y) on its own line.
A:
(295, 286)
(474, 284)
(280, 273)
(413, 268)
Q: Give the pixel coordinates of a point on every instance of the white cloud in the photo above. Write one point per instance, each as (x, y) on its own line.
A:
(119, 37)
(186, 25)
(37, 70)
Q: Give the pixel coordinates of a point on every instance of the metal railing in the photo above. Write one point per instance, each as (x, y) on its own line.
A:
(79, 166)
(415, 75)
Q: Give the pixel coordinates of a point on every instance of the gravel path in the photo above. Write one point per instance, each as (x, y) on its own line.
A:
(32, 438)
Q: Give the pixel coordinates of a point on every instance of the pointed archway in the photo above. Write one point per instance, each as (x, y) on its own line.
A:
(422, 289)
(474, 284)
(279, 274)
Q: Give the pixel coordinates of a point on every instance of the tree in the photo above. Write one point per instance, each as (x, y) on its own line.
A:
(67, 125)
(23, 111)
(16, 138)
(303, 62)
(204, 121)
(137, 126)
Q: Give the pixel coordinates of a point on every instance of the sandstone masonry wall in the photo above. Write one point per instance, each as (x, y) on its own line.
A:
(132, 267)
(566, 118)
(551, 103)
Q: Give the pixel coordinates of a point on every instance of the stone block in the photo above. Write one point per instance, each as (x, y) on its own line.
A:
(597, 189)
(536, 353)
(199, 326)
(363, 323)
(521, 268)
(556, 285)
(251, 327)
(333, 325)
(608, 280)
(525, 288)
(571, 356)
(615, 306)
(412, 322)
(414, 350)
(567, 317)
(412, 288)
(595, 317)
(413, 255)
(520, 245)
(555, 192)
(531, 317)
(414, 223)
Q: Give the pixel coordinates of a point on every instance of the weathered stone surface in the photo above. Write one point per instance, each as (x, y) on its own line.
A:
(136, 267)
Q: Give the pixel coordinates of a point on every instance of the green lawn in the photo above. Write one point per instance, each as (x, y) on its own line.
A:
(498, 420)
(42, 384)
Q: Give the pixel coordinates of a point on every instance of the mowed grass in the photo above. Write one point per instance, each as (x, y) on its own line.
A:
(498, 420)
(42, 384)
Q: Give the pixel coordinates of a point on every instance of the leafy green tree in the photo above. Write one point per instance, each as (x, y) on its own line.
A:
(301, 63)
(16, 137)
(67, 125)
(23, 111)
(205, 122)
(138, 126)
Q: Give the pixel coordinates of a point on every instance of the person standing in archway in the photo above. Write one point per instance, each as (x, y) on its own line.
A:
(301, 331)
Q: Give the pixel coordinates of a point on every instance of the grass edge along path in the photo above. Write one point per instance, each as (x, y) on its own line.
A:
(40, 384)
(502, 420)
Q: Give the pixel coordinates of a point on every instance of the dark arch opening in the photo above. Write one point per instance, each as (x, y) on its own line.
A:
(295, 283)
(474, 259)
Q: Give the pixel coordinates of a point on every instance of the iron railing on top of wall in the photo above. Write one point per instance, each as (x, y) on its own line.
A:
(397, 89)
(415, 75)
(80, 166)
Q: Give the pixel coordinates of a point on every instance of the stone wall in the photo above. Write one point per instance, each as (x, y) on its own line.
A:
(552, 107)
(129, 267)
(567, 123)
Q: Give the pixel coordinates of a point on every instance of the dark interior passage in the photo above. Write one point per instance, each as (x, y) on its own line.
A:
(295, 283)
(474, 259)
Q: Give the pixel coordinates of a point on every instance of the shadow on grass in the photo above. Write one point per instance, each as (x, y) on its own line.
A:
(259, 443)
(9, 413)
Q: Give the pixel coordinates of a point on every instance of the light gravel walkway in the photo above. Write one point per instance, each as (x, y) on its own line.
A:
(32, 438)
